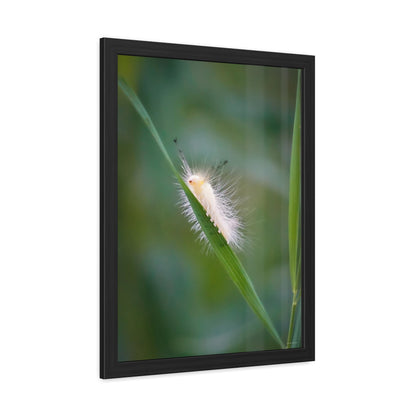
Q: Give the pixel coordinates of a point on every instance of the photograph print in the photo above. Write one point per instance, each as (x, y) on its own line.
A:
(209, 211)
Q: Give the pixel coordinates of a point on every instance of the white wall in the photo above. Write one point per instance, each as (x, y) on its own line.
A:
(365, 130)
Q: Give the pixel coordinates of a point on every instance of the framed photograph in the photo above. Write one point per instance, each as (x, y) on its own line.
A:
(207, 208)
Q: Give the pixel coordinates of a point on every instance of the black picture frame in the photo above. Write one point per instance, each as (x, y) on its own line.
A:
(109, 51)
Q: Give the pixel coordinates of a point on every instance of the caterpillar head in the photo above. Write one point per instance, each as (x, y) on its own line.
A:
(195, 181)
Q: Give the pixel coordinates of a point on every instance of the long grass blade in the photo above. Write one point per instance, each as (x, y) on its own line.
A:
(294, 219)
(225, 254)
(295, 195)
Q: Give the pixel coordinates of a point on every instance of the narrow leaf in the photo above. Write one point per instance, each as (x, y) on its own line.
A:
(295, 195)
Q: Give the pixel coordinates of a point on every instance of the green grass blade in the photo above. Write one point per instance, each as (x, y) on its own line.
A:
(295, 195)
(295, 218)
(219, 245)
(137, 104)
(297, 333)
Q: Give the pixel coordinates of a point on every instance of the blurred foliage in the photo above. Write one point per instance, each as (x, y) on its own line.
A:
(174, 300)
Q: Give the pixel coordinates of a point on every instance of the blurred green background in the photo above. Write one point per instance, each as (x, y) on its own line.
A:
(174, 300)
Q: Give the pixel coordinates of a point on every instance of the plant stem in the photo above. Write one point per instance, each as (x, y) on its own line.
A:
(292, 320)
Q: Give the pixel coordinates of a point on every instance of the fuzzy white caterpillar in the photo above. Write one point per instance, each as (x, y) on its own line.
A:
(217, 199)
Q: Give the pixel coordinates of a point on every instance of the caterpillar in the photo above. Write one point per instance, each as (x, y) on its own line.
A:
(217, 196)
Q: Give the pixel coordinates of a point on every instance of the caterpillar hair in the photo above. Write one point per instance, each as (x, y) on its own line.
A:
(217, 196)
